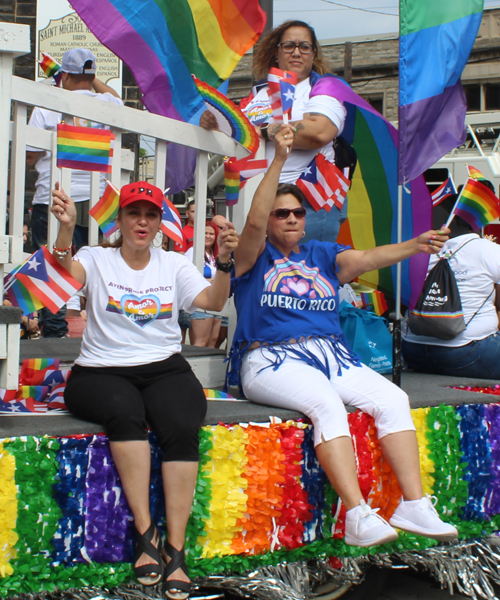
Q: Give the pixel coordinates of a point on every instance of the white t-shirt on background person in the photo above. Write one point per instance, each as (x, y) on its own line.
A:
(132, 316)
(477, 270)
(259, 111)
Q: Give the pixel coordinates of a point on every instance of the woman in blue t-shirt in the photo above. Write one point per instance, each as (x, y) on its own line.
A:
(289, 351)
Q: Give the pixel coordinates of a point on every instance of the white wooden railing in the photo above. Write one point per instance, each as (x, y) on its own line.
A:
(17, 95)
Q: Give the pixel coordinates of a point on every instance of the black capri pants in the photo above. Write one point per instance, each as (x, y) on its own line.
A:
(124, 400)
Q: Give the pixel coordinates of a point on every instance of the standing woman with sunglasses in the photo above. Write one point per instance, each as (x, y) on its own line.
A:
(289, 351)
(317, 119)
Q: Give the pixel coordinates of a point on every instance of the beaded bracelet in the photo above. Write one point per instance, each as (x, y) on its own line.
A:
(60, 253)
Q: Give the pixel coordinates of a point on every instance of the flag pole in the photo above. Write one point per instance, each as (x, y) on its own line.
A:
(397, 364)
(452, 214)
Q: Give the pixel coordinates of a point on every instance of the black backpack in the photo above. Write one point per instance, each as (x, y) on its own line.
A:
(345, 156)
(438, 312)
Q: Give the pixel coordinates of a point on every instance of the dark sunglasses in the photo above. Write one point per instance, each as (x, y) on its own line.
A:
(284, 213)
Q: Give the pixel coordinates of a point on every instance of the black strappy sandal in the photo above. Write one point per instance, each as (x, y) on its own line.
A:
(177, 560)
(151, 573)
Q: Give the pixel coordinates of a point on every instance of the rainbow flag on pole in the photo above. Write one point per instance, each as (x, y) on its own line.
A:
(84, 148)
(163, 42)
(50, 67)
(232, 181)
(477, 204)
(475, 173)
(435, 40)
(105, 211)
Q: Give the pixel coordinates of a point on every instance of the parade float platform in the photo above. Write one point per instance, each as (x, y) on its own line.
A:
(261, 499)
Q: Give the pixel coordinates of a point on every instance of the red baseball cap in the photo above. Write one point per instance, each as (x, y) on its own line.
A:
(141, 190)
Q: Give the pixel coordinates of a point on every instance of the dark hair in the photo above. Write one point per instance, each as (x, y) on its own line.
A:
(441, 213)
(189, 204)
(290, 188)
(89, 78)
(265, 54)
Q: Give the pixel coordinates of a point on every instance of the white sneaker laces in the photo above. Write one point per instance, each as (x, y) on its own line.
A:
(430, 505)
(365, 514)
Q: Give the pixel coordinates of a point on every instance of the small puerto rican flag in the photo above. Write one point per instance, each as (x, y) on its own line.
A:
(281, 86)
(171, 223)
(446, 189)
(323, 184)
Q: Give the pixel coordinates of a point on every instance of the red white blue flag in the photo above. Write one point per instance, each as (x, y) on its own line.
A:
(446, 189)
(171, 223)
(250, 167)
(46, 279)
(281, 86)
(323, 184)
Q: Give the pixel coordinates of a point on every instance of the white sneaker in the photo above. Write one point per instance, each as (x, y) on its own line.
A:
(421, 517)
(363, 527)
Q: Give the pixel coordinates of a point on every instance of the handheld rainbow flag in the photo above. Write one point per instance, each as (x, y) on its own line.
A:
(84, 148)
(230, 119)
(374, 301)
(105, 211)
(476, 204)
(232, 181)
(171, 223)
(50, 67)
(42, 281)
(164, 42)
(475, 173)
(281, 86)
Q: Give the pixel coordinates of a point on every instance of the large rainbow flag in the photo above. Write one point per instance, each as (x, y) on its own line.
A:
(372, 214)
(435, 41)
(164, 42)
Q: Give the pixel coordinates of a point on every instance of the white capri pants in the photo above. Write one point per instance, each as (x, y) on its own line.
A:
(298, 386)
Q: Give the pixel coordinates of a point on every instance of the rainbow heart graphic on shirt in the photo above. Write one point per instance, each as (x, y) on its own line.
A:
(141, 310)
(297, 279)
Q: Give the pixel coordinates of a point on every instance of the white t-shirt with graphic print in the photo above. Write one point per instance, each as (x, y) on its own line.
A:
(132, 316)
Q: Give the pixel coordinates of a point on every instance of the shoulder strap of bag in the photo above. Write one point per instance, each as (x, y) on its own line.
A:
(480, 307)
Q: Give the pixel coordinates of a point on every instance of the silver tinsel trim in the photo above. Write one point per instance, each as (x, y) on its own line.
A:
(467, 567)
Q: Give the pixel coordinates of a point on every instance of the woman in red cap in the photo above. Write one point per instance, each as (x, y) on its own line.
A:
(130, 372)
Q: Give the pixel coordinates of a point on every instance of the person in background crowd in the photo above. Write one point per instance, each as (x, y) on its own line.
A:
(78, 71)
(187, 230)
(205, 325)
(316, 119)
(475, 352)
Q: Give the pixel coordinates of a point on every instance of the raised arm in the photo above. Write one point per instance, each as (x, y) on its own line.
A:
(253, 236)
(101, 88)
(215, 296)
(64, 210)
(353, 263)
(312, 132)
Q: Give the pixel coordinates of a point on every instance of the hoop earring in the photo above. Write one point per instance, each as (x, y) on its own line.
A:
(303, 234)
